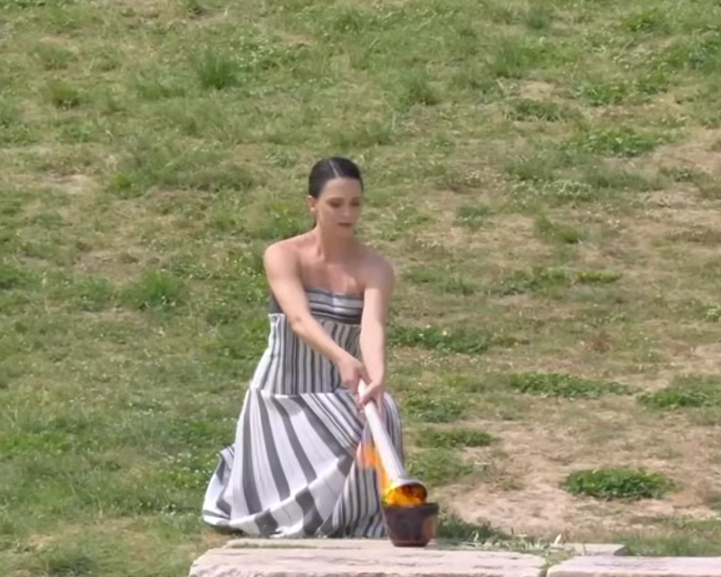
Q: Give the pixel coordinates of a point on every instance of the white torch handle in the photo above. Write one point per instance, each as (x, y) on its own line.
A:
(389, 458)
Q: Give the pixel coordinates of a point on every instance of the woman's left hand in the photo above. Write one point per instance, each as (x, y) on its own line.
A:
(373, 392)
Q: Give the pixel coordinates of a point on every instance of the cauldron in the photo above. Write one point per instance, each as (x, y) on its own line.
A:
(412, 526)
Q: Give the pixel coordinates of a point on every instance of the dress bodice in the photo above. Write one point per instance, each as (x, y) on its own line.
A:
(323, 304)
(289, 366)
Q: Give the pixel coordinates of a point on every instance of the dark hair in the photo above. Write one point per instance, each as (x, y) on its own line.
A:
(329, 168)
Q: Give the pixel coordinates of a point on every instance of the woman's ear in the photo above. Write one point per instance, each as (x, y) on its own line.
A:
(312, 204)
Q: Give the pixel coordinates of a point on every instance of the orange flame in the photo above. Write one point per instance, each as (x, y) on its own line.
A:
(400, 496)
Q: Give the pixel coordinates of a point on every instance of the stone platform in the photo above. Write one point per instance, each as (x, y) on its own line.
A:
(638, 567)
(379, 558)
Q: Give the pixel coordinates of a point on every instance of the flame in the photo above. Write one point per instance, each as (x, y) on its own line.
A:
(408, 496)
(404, 497)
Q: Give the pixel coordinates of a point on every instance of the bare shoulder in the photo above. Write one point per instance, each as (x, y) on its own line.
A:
(283, 251)
(377, 268)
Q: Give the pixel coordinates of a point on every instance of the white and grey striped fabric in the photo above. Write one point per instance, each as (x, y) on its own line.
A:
(293, 470)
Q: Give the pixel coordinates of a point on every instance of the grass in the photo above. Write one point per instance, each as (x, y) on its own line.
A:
(455, 438)
(563, 386)
(623, 484)
(686, 392)
(543, 175)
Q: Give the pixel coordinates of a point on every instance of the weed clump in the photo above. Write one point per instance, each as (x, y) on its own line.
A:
(617, 484)
(684, 393)
(439, 467)
(458, 438)
(428, 409)
(564, 386)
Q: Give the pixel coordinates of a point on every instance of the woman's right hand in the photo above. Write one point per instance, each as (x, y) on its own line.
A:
(352, 371)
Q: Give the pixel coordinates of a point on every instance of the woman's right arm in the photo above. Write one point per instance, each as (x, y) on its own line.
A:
(282, 270)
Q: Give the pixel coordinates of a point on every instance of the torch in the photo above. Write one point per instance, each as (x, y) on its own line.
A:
(410, 521)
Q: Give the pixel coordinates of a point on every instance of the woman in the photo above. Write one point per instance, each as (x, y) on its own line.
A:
(293, 470)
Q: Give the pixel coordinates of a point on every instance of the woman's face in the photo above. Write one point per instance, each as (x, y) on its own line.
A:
(337, 208)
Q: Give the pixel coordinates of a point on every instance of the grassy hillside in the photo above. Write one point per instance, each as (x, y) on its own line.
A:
(543, 174)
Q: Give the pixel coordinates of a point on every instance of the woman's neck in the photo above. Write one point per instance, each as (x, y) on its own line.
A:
(333, 247)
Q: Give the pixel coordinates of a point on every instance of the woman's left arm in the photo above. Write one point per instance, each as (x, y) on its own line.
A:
(379, 282)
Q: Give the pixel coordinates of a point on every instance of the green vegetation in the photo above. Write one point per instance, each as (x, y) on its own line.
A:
(453, 439)
(564, 386)
(685, 392)
(626, 484)
(544, 175)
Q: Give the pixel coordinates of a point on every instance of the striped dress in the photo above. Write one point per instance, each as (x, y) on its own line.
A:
(294, 470)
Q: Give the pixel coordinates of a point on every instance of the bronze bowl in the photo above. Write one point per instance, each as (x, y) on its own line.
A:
(412, 526)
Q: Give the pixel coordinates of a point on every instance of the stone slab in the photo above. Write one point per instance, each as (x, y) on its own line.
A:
(381, 561)
(609, 549)
(608, 566)
(315, 543)
(356, 544)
